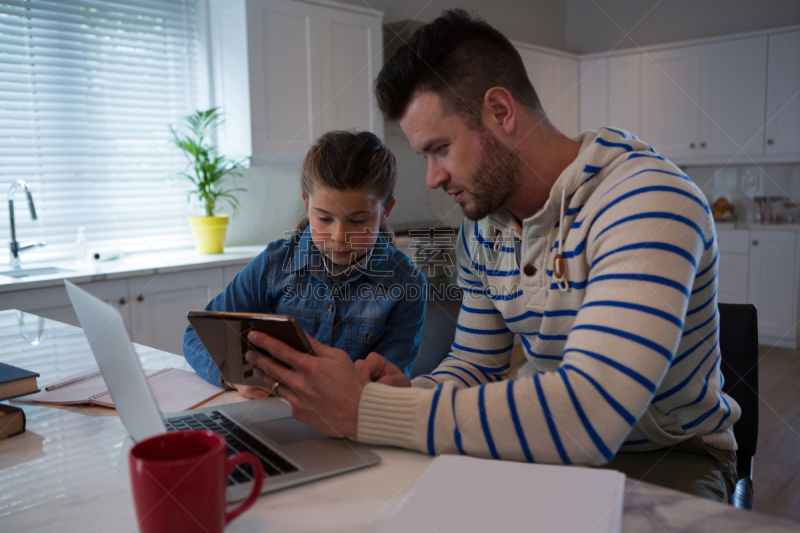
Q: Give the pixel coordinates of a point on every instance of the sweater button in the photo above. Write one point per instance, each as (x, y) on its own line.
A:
(529, 270)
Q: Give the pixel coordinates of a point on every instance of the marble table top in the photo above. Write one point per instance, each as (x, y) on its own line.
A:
(68, 470)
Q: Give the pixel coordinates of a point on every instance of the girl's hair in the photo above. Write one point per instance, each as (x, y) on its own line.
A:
(346, 161)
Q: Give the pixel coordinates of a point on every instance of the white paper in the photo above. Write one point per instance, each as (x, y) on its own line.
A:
(462, 494)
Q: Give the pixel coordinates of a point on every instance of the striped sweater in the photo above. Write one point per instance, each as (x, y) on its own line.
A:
(624, 356)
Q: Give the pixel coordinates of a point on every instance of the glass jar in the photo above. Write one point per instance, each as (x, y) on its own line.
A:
(792, 210)
(776, 209)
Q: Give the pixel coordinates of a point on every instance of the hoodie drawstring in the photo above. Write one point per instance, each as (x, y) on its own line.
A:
(559, 274)
(498, 241)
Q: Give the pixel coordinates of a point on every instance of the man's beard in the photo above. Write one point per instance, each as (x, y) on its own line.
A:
(496, 178)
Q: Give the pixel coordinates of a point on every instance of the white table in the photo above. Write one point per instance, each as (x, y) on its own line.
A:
(68, 471)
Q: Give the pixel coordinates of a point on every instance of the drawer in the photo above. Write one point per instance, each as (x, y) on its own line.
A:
(735, 241)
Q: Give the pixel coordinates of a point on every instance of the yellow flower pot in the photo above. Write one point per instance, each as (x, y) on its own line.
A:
(209, 233)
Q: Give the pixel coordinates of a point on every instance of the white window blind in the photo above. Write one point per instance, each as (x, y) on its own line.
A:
(88, 90)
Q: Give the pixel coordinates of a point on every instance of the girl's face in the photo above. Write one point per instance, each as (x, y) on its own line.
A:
(344, 224)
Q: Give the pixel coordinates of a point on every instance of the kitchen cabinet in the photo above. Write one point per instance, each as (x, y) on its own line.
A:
(705, 101)
(158, 305)
(286, 71)
(611, 93)
(732, 269)
(671, 101)
(554, 75)
(772, 286)
(153, 307)
(624, 92)
(49, 302)
(783, 104)
(594, 93)
(732, 96)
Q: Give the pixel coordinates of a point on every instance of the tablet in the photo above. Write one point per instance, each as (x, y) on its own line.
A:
(225, 337)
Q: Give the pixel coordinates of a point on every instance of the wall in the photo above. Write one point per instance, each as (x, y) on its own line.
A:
(542, 22)
(740, 183)
(269, 208)
(417, 205)
(601, 25)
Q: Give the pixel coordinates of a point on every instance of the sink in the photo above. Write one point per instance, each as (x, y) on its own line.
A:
(45, 271)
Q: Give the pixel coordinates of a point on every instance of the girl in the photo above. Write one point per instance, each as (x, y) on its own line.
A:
(337, 274)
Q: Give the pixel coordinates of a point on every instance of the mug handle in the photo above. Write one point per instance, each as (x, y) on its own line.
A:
(258, 480)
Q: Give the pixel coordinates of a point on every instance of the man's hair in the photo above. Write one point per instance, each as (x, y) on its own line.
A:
(459, 57)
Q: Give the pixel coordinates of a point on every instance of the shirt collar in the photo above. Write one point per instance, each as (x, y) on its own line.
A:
(377, 265)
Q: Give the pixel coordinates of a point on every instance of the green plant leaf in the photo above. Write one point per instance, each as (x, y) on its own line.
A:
(210, 171)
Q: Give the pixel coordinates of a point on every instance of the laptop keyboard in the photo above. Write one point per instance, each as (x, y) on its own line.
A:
(238, 440)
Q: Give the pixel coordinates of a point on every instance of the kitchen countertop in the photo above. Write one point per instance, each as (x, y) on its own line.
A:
(130, 265)
(753, 225)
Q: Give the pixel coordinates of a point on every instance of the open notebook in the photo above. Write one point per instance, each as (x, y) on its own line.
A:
(174, 389)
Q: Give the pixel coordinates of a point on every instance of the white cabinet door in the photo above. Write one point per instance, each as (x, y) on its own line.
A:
(49, 302)
(556, 81)
(350, 58)
(282, 42)
(732, 278)
(286, 71)
(594, 94)
(228, 273)
(114, 293)
(732, 270)
(783, 103)
(733, 93)
(671, 101)
(624, 93)
(159, 305)
(772, 286)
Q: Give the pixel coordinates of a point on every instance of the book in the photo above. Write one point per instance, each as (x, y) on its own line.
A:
(174, 390)
(15, 381)
(464, 494)
(12, 421)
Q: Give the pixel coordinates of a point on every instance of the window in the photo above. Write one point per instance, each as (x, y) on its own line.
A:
(87, 92)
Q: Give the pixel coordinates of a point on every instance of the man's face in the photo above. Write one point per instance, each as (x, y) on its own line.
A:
(471, 165)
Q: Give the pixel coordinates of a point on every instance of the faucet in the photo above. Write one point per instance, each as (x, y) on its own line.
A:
(16, 247)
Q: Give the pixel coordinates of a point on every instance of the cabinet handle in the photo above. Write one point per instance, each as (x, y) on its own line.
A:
(122, 300)
(702, 145)
(770, 142)
(755, 242)
(140, 298)
(691, 145)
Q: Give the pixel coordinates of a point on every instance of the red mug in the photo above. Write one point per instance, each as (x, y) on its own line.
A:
(179, 481)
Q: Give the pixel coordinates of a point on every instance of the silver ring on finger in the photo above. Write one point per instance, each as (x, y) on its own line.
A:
(275, 388)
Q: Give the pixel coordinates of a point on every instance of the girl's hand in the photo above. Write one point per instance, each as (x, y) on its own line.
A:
(254, 393)
(376, 368)
(323, 389)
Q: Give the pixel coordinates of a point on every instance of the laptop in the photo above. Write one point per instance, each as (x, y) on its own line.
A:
(290, 452)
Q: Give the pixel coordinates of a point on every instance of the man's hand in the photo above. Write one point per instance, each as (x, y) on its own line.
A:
(323, 390)
(376, 368)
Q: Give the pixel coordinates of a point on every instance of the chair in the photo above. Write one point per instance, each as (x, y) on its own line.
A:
(738, 344)
(439, 329)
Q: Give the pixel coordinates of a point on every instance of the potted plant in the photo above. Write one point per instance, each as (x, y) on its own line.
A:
(210, 174)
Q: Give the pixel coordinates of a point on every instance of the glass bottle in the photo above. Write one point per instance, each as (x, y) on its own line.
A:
(81, 249)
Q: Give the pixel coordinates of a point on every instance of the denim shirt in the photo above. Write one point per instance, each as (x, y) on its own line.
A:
(379, 307)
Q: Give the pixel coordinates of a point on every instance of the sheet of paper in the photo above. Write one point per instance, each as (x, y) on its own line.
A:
(174, 390)
(461, 494)
(75, 393)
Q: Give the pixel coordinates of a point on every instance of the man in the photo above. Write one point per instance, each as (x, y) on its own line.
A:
(597, 251)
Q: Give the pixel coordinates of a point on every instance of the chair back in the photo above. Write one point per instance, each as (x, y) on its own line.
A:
(439, 329)
(738, 345)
